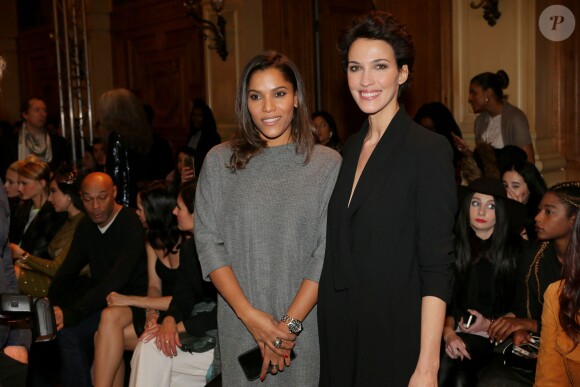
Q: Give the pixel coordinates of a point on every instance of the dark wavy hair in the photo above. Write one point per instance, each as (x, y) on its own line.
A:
(68, 180)
(208, 124)
(158, 200)
(570, 290)
(379, 25)
(247, 142)
(496, 82)
(503, 252)
(329, 120)
(537, 187)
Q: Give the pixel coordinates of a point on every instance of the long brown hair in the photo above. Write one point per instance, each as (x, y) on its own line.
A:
(570, 290)
(247, 142)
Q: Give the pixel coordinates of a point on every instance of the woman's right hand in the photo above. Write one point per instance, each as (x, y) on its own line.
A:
(116, 299)
(455, 347)
(265, 330)
(460, 143)
(187, 174)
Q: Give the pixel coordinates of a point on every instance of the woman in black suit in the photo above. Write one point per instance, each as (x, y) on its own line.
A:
(389, 253)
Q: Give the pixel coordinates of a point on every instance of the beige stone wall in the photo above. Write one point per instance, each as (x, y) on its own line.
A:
(509, 45)
(244, 40)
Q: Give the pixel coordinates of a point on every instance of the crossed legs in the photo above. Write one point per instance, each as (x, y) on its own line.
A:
(115, 335)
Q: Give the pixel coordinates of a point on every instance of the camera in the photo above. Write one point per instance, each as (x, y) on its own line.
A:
(20, 307)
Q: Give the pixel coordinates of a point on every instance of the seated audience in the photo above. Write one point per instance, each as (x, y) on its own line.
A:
(35, 221)
(34, 138)
(11, 186)
(183, 171)
(111, 241)
(540, 266)
(156, 360)
(126, 317)
(524, 183)
(203, 134)
(88, 163)
(35, 273)
(436, 117)
(487, 249)
(559, 355)
(99, 153)
(14, 342)
(326, 130)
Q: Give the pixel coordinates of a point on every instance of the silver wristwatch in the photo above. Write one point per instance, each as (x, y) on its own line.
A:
(294, 326)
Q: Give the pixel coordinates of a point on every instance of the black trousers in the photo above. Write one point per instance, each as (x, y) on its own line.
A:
(464, 373)
(12, 372)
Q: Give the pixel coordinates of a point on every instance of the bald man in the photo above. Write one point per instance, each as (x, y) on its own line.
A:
(111, 240)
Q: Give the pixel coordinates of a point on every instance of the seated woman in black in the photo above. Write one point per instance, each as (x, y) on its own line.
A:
(540, 266)
(487, 248)
(35, 222)
(127, 316)
(523, 183)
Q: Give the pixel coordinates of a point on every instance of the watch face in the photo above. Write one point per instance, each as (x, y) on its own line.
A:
(295, 327)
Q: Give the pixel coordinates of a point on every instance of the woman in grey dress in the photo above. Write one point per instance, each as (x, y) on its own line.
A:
(260, 218)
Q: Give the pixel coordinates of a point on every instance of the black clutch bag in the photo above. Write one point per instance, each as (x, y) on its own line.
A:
(190, 343)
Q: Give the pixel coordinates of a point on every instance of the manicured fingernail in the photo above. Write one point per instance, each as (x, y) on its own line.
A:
(261, 379)
(501, 341)
(286, 356)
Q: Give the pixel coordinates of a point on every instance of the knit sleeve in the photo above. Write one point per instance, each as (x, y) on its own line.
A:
(208, 233)
(314, 266)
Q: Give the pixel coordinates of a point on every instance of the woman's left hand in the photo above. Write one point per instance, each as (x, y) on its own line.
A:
(423, 379)
(481, 323)
(17, 251)
(168, 337)
(270, 357)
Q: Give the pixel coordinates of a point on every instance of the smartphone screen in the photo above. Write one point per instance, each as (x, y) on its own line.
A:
(251, 362)
(189, 162)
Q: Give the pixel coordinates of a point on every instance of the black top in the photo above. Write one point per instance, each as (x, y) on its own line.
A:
(389, 248)
(190, 289)
(117, 260)
(41, 230)
(549, 271)
(167, 276)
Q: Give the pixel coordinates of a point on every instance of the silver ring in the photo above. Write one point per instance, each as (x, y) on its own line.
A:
(275, 366)
(277, 343)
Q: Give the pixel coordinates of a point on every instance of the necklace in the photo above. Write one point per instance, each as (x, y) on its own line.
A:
(535, 266)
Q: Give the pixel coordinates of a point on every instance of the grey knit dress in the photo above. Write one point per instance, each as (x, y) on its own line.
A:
(268, 222)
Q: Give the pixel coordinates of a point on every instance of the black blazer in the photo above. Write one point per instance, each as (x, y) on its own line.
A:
(392, 246)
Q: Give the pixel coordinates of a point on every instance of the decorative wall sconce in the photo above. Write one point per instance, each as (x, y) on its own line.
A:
(491, 12)
(218, 33)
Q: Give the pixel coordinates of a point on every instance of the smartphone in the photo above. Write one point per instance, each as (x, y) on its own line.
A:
(468, 319)
(251, 362)
(188, 162)
(528, 350)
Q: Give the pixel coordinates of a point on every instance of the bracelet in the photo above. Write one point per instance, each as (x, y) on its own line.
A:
(25, 255)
